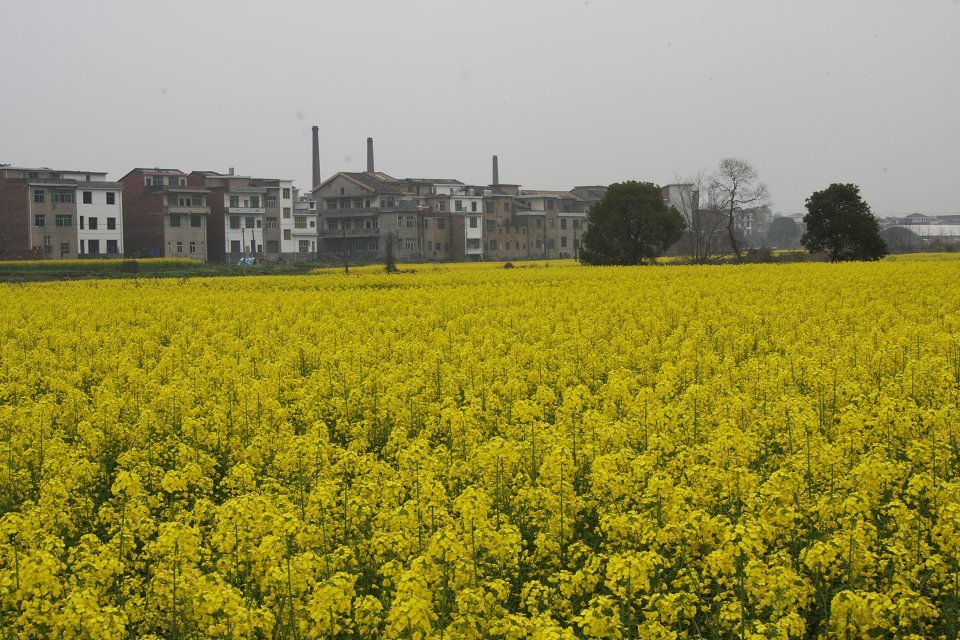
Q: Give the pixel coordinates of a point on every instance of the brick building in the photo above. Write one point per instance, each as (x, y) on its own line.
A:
(165, 216)
(59, 214)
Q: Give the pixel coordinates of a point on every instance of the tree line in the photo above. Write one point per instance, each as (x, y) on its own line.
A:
(633, 223)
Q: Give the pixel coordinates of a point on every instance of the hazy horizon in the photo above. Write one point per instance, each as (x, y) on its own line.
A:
(566, 93)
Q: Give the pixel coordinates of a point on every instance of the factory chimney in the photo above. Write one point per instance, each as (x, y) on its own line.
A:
(369, 155)
(316, 156)
(496, 172)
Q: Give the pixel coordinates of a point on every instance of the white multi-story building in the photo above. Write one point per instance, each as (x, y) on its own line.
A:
(100, 218)
(305, 219)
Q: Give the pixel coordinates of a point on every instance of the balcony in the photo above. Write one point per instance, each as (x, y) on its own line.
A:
(246, 210)
(349, 233)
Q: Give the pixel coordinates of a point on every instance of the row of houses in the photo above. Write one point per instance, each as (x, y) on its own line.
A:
(222, 217)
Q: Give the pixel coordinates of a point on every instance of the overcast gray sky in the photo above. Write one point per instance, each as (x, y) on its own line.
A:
(565, 92)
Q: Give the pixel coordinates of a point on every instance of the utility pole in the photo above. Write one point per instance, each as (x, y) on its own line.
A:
(343, 231)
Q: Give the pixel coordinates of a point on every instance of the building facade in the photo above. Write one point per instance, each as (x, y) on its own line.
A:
(165, 216)
(59, 214)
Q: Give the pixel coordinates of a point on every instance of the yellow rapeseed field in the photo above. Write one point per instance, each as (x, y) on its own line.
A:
(757, 451)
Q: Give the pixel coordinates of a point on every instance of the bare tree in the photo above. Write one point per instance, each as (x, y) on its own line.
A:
(689, 195)
(734, 187)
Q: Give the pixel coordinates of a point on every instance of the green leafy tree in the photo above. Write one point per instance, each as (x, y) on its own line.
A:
(840, 222)
(783, 233)
(629, 225)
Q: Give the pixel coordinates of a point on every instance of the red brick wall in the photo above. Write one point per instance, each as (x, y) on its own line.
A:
(142, 217)
(14, 225)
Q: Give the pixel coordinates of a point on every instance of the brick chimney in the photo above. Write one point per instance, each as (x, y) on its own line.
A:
(316, 156)
(496, 172)
(369, 155)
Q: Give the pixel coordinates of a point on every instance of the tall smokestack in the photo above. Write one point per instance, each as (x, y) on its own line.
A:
(316, 156)
(496, 172)
(369, 155)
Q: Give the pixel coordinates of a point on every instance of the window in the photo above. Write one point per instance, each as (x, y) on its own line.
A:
(473, 243)
(196, 220)
(33, 175)
(196, 201)
(234, 246)
(47, 244)
(411, 221)
(286, 212)
(313, 224)
(576, 223)
(441, 223)
(490, 206)
(332, 225)
(563, 241)
(550, 223)
(193, 247)
(271, 202)
(442, 205)
(300, 222)
(62, 196)
(64, 248)
(539, 223)
(259, 223)
(179, 246)
(248, 222)
(304, 246)
(563, 223)
(473, 222)
(458, 205)
(358, 204)
(234, 201)
(93, 223)
(491, 225)
(113, 247)
(81, 222)
(39, 220)
(358, 224)
(182, 182)
(287, 234)
(64, 220)
(493, 245)
(111, 199)
(255, 202)
(473, 206)
(112, 224)
(88, 197)
(93, 246)
(550, 243)
(38, 195)
(330, 203)
(273, 246)
(271, 224)
(234, 222)
(286, 193)
(174, 220)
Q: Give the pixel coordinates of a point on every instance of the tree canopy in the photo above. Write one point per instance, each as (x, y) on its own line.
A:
(783, 233)
(629, 225)
(839, 222)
